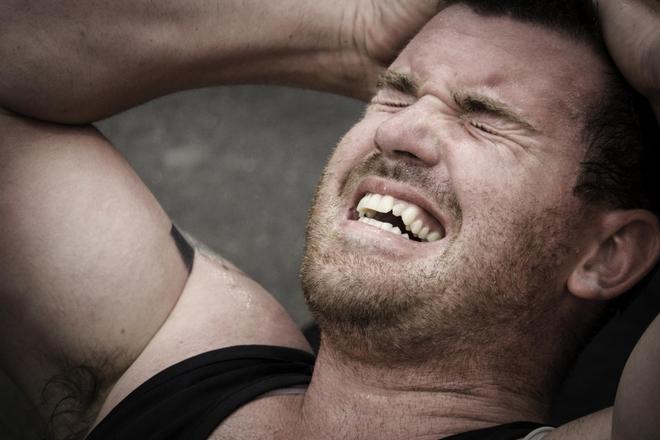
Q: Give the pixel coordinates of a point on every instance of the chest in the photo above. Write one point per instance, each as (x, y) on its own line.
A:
(267, 418)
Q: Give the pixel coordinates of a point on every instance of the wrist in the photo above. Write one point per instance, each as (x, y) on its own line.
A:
(345, 66)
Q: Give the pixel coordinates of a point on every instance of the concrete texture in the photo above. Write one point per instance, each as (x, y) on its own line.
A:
(236, 167)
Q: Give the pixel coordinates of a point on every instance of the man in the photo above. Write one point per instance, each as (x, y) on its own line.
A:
(473, 140)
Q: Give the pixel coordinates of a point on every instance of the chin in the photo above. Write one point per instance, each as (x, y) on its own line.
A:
(369, 308)
(412, 302)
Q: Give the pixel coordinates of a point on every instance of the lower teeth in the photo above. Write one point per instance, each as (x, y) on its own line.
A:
(384, 226)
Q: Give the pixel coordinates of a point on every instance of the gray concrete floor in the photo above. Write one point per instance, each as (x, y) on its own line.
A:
(236, 167)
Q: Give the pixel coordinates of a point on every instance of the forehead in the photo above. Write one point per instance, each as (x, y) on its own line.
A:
(546, 76)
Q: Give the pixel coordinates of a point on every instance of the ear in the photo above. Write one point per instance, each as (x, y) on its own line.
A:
(626, 247)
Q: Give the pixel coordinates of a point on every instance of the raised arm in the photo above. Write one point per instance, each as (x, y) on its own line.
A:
(631, 29)
(632, 33)
(95, 296)
(77, 62)
(637, 405)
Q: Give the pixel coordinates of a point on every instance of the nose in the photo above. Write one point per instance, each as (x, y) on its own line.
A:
(408, 135)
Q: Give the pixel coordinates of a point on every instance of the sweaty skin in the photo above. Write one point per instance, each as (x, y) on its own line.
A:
(110, 256)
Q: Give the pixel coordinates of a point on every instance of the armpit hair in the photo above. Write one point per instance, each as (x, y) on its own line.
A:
(76, 396)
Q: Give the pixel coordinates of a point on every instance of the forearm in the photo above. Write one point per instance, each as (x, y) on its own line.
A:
(654, 74)
(76, 62)
(638, 396)
(631, 29)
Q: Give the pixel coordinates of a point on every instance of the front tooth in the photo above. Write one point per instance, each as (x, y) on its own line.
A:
(398, 209)
(361, 207)
(386, 226)
(369, 213)
(396, 230)
(386, 204)
(374, 201)
(416, 226)
(409, 215)
(433, 236)
(423, 233)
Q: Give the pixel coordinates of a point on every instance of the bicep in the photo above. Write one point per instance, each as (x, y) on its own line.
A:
(596, 426)
(88, 267)
(638, 395)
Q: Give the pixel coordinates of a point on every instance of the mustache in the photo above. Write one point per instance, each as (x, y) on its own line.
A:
(376, 164)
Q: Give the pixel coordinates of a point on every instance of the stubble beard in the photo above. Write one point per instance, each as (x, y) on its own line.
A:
(380, 311)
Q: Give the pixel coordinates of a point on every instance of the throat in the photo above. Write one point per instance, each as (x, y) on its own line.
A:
(351, 399)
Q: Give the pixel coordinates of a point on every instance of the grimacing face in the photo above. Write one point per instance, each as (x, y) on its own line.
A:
(478, 124)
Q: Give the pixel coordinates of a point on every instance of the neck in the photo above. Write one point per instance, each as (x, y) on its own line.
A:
(353, 400)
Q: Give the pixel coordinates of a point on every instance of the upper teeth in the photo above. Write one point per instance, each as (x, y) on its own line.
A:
(412, 216)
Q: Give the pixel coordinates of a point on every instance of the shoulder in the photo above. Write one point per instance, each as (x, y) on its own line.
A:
(596, 426)
(220, 307)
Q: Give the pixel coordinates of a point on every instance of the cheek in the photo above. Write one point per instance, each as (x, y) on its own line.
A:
(353, 147)
(486, 179)
(478, 180)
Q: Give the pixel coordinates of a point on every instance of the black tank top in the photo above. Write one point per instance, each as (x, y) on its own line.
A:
(188, 400)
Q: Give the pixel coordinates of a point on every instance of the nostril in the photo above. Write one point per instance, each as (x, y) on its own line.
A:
(412, 142)
(406, 154)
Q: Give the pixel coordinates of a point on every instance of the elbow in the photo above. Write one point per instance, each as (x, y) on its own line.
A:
(34, 104)
(40, 90)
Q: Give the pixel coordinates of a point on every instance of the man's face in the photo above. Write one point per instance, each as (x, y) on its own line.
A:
(478, 128)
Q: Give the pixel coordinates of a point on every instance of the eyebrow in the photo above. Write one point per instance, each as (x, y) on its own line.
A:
(399, 81)
(470, 102)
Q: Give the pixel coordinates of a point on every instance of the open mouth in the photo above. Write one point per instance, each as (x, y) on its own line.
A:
(399, 217)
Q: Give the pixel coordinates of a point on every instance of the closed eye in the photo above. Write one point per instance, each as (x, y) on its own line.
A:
(483, 127)
(392, 104)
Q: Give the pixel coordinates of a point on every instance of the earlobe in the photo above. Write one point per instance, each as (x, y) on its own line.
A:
(625, 249)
